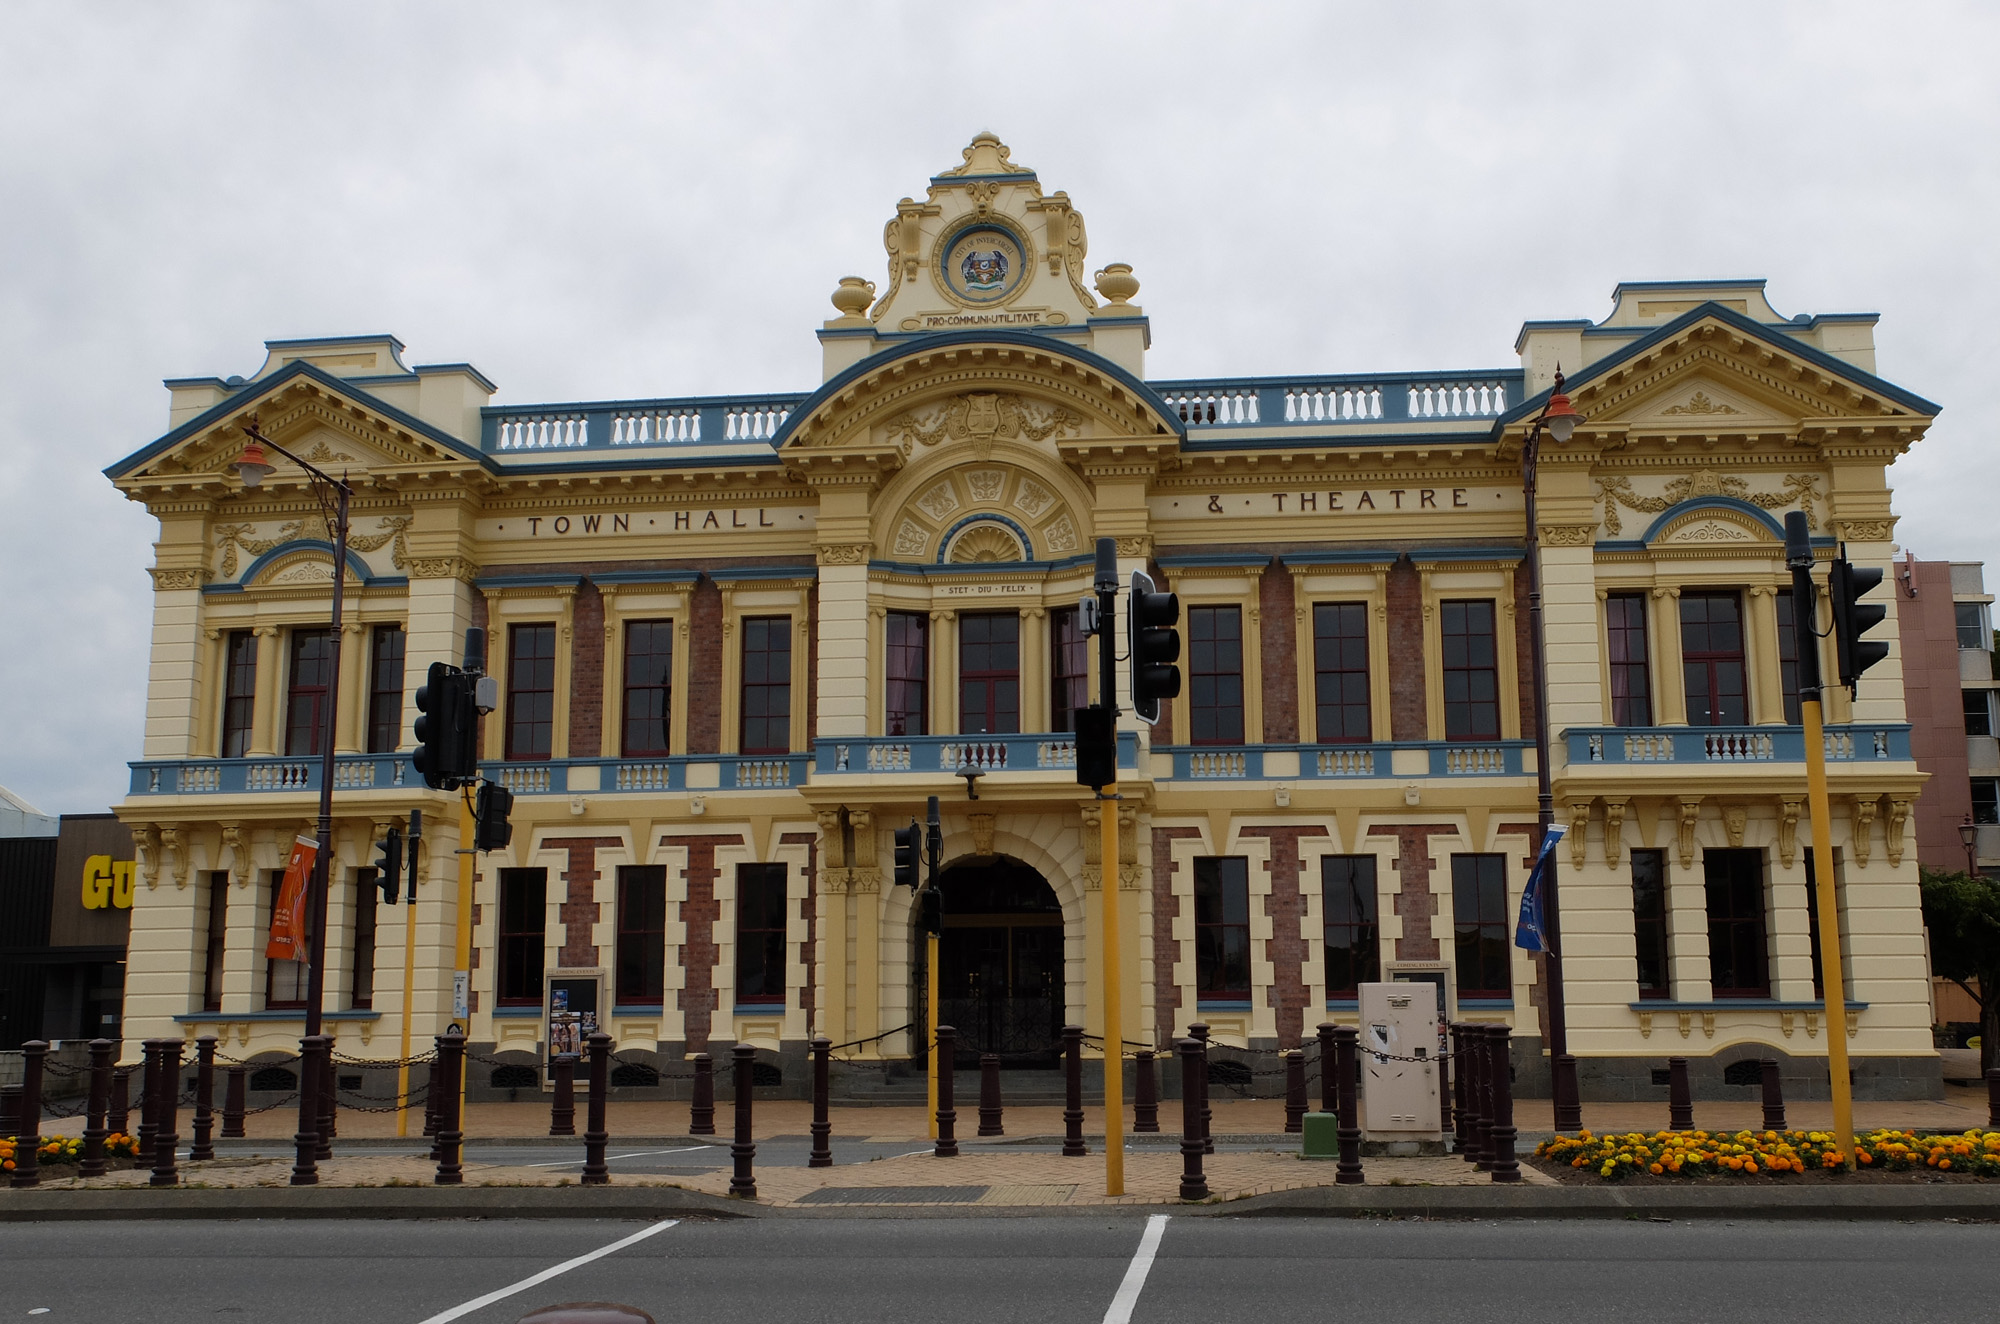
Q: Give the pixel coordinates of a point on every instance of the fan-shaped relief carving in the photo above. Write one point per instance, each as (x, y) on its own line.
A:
(1033, 498)
(939, 501)
(986, 485)
(1714, 525)
(985, 541)
(312, 565)
(912, 538)
(1060, 535)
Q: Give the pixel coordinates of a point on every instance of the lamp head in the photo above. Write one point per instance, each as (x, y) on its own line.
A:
(1560, 417)
(252, 465)
(1968, 832)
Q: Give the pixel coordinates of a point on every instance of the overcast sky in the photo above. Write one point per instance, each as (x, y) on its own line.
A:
(605, 200)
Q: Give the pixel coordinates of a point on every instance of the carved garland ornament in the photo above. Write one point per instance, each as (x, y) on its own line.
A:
(981, 416)
(229, 537)
(1617, 490)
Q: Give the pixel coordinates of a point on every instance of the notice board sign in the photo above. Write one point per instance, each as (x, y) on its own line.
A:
(571, 1009)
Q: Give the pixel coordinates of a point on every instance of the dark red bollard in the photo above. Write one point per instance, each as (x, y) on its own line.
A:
(204, 1099)
(1445, 1077)
(562, 1102)
(1680, 1099)
(1295, 1091)
(1194, 1186)
(94, 1130)
(1329, 1097)
(234, 1102)
(305, 1140)
(118, 1117)
(1479, 1099)
(947, 1113)
(1505, 1167)
(595, 1136)
(1993, 1097)
(450, 1148)
(701, 1113)
(743, 1149)
(1199, 1033)
(1347, 1172)
(1460, 1139)
(1774, 1095)
(989, 1095)
(1145, 1094)
(822, 1123)
(166, 1134)
(28, 1133)
(1073, 1146)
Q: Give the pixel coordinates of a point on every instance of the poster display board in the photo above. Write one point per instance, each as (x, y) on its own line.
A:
(570, 1006)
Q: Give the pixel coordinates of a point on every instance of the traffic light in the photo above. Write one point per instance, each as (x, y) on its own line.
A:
(491, 830)
(1847, 584)
(906, 856)
(1096, 746)
(445, 732)
(389, 868)
(1155, 646)
(930, 910)
(416, 837)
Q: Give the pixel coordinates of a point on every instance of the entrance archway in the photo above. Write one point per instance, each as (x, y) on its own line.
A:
(1000, 962)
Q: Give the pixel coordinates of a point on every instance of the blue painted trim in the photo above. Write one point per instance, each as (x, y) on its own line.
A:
(261, 389)
(1354, 556)
(1343, 1004)
(1619, 545)
(1258, 560)
(654, 1009)
(758, 1009)
(251, 571)
(1487, 1004)
(1718, 501)
(1427, 554)
(1222, 1004)
(981, 567)
(927, 344)
(206, 1017)
(1709, 746)
(986, 517)
(946, 181)
(1740, 1004)
(466, 368)
(1766, 333)
(173, 382)
(644, 576)
(918, 756)
(555, 580)
(735, 573)
(514, 1013)
(336, 340)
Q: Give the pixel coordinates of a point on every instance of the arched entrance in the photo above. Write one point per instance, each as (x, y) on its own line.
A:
(1000, 962)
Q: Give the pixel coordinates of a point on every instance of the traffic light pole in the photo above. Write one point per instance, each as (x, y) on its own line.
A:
(1107, 804)
(1833, 979)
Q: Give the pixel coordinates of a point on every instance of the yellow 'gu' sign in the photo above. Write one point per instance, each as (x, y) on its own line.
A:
(107, 883)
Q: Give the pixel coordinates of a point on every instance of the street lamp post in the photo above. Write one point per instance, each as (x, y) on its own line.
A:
(1968, 832)
(1559, 419)
(253, 468)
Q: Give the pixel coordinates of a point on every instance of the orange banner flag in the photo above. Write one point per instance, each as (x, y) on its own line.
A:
(288, 915)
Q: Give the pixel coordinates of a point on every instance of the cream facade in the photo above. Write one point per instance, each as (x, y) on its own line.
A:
(741, 639)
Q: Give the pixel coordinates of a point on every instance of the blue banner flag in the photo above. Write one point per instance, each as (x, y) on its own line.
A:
(1529, 932)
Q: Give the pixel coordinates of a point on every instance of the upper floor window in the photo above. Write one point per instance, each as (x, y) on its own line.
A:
(1788, 656)
(1215, 675)
(1340, 672)
(1471, 670)
(239, 693)
(1978, 712)
(531, 691)
(642, 935)
(1069, 668)
(989, 673)
(519, 940)
(1649, 921)
(906, 704)
(760, 933)
(1972, 628)
(1631, 677)
(1222, 927)
(385, 689)
(306, 695)
(649, 688)
(1353, 951)
(1712, 659)
(766, 724)
(1737, 940)
(1479, 926)
(1986, 800)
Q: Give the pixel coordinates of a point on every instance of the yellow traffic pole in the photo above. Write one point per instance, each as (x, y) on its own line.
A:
(409, 1007)
(1114, 1008)
(1805, 617)
(461, 989)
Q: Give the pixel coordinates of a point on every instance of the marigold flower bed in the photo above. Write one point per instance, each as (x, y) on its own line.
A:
(1744, 1154)
(66, 1149)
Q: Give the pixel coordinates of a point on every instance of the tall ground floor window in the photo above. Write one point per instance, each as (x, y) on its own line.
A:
(285, 982)
(520, 939)
(1353, 947)
(1222, 928)
(1479, 926)
(760, 934)
(361, 977)
(1649, 921)
(1738, 940)
(642, 935)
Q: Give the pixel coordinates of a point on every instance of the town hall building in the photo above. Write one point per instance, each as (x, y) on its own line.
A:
(738, 640)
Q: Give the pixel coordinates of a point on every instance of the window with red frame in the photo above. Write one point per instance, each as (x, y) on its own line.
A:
(1712, 659)
(306, 694)
(989, 673)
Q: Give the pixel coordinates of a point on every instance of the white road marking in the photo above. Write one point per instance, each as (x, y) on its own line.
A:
(644, 1153)
(1135, 1273)
(480, 1303)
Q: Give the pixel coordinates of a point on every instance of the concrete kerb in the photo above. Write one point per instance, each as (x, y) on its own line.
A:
(1872, 1203)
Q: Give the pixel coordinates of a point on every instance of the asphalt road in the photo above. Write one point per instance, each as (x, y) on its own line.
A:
(1015, 1270)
